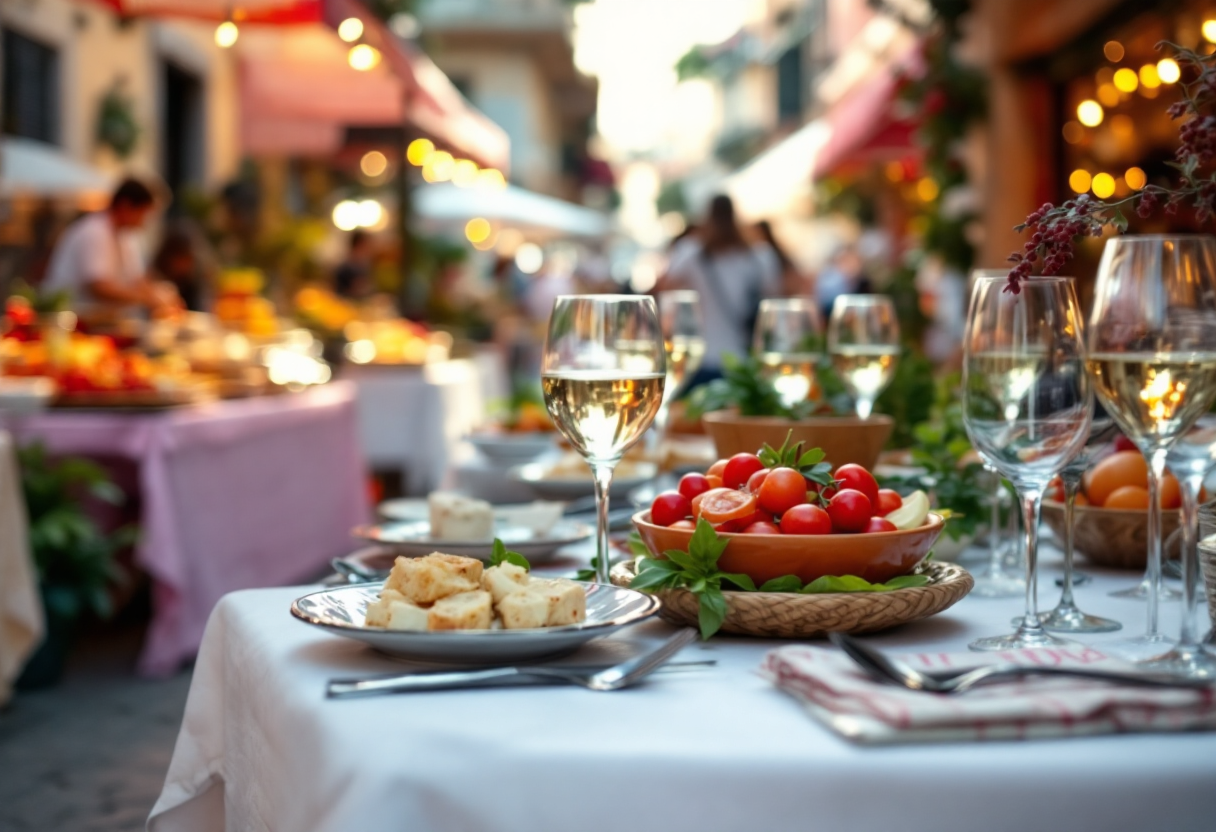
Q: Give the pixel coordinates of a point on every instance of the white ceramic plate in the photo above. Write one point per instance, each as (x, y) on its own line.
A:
(511, 448)
(547, 487)
(413, 538)
(342, 610)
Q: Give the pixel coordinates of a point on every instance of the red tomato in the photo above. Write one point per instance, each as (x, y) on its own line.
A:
(1122, 443)
(783, 489)
(714, 481)
(888, 501)
(849, 510)
(684, 524)
(724, 504)
(879, 524)
(730, 527)
(716, 469)
(757, 516)
(756, 480)
(762, 528)
(693, 484)
(669, 507)
(859, 479)
(806, 519)
(738, 468)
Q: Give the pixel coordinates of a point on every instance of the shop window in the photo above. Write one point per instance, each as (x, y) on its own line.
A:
(182, 128)
(31, 89)
(790, 84)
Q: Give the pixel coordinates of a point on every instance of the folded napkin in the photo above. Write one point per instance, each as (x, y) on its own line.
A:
(840, 695)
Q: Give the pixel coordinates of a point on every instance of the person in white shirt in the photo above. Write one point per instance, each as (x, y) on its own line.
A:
(98, 262)
(731, 276)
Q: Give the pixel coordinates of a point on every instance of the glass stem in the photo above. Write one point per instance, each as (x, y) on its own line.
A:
(864, 408)
(658, 428)
(1190, 486)
(602, 471)
(994, 533)
(1071, 486)
(1032, 500)
(1156, 468)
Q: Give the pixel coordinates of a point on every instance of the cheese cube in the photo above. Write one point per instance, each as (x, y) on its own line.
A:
(524, 609)
(567, 601)
(500, 581)
(393, 612)
(426, 580)
(466, 611)
(456, 517)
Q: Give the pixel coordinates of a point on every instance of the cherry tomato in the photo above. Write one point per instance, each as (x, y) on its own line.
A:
(684, 524)
(1122, 443)
(879, 524)
(730, 527)
(806, 519)
(849, 510)
(716, 469)
(724, 504)
(738, 468)
(783, 489)
(757, 516)
(693, 484)
(756, 480)
(714, 481)
(669, 507)
(888, 501)
(762, 528)
(858, 478)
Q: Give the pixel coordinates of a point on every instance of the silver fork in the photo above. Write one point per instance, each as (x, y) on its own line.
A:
(886, 669)
(613, 678)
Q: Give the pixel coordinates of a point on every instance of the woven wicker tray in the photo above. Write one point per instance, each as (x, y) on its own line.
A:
(789, 615)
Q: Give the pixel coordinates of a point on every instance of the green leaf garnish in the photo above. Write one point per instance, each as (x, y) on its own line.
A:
(501, 555)
(786, 583)
(852, 583)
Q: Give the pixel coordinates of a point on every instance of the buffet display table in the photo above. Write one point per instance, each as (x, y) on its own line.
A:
(236, 494)
(698, 750)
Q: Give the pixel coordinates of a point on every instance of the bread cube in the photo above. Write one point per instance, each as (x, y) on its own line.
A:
(393, 612)
(525, 608)
(500, 581)
(456, 517)
(465, 611)
(426, 580)
(567, 601)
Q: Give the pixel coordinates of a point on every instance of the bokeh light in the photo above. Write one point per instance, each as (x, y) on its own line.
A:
(363, 57)
(1209, 31)
(927, 189)
(491, 178)
(226, 34)
(1079, 181)
(1090, 113)
(1108, 95)
(1168, 70)
(1103, 185)
(370, 213)
(374, 163)
(351, 29)
(464, 173)
(418, 151)
(1149, 77)
(1113, 50)
(1135, 178)
(438, 167)
(477, 230)
(1073, 133)
(1127, 80)
(529, 258)
(346, 215)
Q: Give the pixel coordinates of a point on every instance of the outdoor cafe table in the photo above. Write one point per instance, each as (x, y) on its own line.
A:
(234, 494)
(698, 750)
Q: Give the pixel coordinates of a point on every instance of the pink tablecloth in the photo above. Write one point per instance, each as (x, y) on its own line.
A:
(236, 495)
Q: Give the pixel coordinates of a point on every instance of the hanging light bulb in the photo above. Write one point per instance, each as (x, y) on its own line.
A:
(226, 34)
(363, 57)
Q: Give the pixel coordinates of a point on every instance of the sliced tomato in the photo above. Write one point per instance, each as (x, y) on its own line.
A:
(722, 504)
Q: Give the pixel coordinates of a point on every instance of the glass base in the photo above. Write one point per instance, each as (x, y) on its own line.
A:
(1078, 579)
(1071, 620)
(1191, 662)
(1021, 640)
(1137, 648)
(1140, 591)
(998, 585)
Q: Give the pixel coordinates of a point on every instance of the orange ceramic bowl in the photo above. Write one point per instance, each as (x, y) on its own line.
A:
(762, 557)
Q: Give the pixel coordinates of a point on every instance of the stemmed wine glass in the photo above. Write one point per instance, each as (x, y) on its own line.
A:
(1026, 405)
(993, 581)
(684, 341)
(788, 340)
(603, 374)
(1190, 459)
(863, 343)
(1067, 617)
(1152, 354)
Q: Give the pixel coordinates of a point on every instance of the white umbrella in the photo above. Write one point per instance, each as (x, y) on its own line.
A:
(512, 206)
(29, 167)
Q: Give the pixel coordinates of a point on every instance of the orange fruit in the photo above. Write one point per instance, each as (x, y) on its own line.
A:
(1081, 501)
(1114, 472)
(1171, 495)
(1128, 496)
(715, 481)
(716, 469)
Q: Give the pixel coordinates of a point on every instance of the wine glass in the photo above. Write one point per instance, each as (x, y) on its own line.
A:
(684, 341)
(1190, 459)
(863, 342)
(1152, 354)
(1067, 617)
(1026, 405)
(603, 374)
(788, 339)
(993, 581)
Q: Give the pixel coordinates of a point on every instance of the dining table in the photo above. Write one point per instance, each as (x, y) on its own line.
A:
(232, 494)
(694, 748)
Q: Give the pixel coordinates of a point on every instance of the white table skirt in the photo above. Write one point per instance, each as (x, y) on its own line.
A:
(714, 750)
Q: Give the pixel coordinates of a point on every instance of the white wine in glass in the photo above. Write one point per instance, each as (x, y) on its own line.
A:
(684, 341)
(602, 373)
(1152, 354)
(788, 342)
(863, 342)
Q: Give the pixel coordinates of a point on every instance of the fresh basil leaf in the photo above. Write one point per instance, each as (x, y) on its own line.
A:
(500, 555)
(786, 583)
(837, 583)
(637, 546)
(711, 611)
(768, 457)
(812, 457)
(697, 586)
(740, 580)
(654, 573)
(706, 547)
(585, 575)
(683, 560)
(905, 581)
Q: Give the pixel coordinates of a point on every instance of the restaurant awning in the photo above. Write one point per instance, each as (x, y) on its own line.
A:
(866, 125)
(511, 206)
(33, 168)
(244, 11)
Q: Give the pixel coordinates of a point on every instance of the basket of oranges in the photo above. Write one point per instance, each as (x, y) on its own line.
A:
(1111, 523)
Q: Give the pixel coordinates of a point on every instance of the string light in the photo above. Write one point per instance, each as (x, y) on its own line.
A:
(1080, 181)
(1103, 185)
(1127, 80)
(477, 230)
(418, 151)
(226, 34)
(351, 29)
(1135, 178)
(464, 173)
(1108, 95)
(491, 178)
(373, 163)
(927, 189)
(1149, 78)
(363, 57)
(1090, 113)
(438, 168)
(1113, 50)
(1073, 133)
(1209, 31)
(1168, 70)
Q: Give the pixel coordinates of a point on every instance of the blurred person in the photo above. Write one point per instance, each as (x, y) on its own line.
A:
(98, 262)
(793, 282)
(843, 275)
(177, 261)
(353, 277)
(731, 276)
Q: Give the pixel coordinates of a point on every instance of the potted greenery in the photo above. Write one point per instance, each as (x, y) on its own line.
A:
(73, 556)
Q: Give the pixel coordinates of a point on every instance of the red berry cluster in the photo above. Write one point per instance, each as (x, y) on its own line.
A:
(1052, 231)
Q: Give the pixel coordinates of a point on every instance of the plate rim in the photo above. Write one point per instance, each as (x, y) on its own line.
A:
(363, 532)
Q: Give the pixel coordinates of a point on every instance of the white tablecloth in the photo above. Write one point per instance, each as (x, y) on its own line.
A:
(716, 750)
(21, 619)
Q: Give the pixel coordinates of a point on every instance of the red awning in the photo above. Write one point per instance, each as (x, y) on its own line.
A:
(244, 11)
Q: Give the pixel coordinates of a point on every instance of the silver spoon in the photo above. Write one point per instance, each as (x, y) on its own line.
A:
(613, 678)
(887, 669)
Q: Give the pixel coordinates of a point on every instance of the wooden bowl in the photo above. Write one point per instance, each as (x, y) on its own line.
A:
(1116, 537)
(843, 438)
(762, 557)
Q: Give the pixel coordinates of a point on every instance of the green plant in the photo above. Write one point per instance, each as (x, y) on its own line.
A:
(117, 128)
(43, 303)
(74, 558)
(746, 387)
(909, 398)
